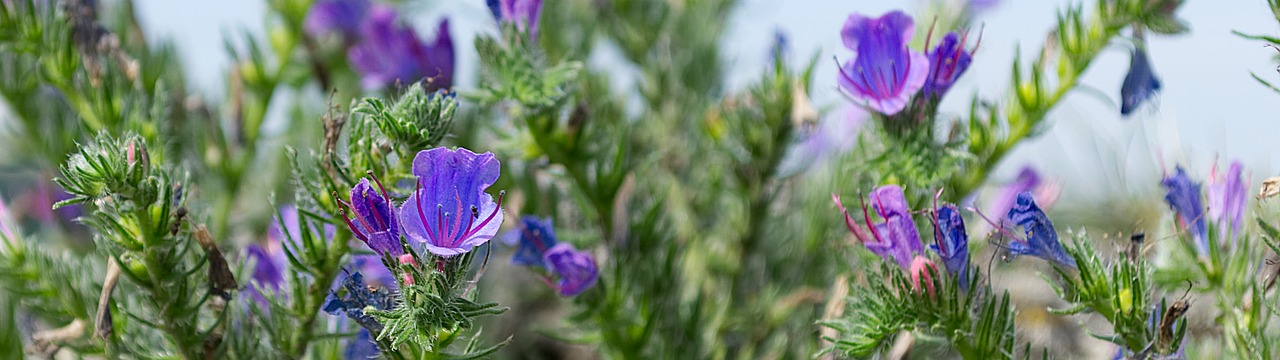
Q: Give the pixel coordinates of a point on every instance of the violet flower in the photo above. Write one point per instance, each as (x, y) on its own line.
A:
(885, 73)
(947, 62)
(575, 269)
(336, 16)
(376, 220)
(1139, 84)
(952, 243)
(361, 347)
(522, 13)
(450, 213)
(1042, 239)
(894, 239)
(1227, 199)
(270, 261)
(535, 237)
(1184, 197)
(389, 51)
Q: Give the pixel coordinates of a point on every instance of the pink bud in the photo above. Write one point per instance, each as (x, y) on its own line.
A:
(128, 152)
(407, 259)
(918, 269)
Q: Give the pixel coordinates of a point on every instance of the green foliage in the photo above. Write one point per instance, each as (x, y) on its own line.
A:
(978, 324)
(417, 120)
(434, 309)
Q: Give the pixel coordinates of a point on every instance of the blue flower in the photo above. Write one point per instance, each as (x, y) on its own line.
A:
(535, 238)
(390, 52)
(885, 73)
(952, 243)
(336, 16)
(522, 13)
(947, 62)
(576, 270)
(356, 297)
(450, 213)
(1184, 197)
(1227, 199)
(269, 259)
(361, 347)
(894, 239)
(376, 219)
(1139, 84)
(1042, 239)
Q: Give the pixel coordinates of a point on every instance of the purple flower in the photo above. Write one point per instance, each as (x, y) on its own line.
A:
(1227, 199)
(575, 269)
(361, 347)
(389, 51)
(885, 73)
(1028, 179)
(371, 266)
(376, 220)
(779, 50)
(522, 13)
(269, 259)
(952, 242)
(835, 134)
(1139, 84)
(947, 62)
(1042, 239)
(449, 212)
(535, 238)
(894, 239)
(336, 16)
(1184, 197)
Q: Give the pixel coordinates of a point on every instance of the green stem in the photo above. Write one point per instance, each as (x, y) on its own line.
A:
(1025, 118)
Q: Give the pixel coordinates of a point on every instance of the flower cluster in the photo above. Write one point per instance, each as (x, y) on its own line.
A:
(381, 48)
(447, 214)
(896, 239)
(523, 14)
(538, 248)
(885, 74)
(1225, 209)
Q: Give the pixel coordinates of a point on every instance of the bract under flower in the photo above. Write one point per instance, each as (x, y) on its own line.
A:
(885, 73)
(450, 213)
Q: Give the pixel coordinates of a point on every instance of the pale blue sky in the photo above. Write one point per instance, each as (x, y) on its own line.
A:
(1209, 107)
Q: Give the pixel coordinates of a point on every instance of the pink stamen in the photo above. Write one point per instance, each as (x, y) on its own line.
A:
(353, 227)
(496, 209)
(421, 216)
